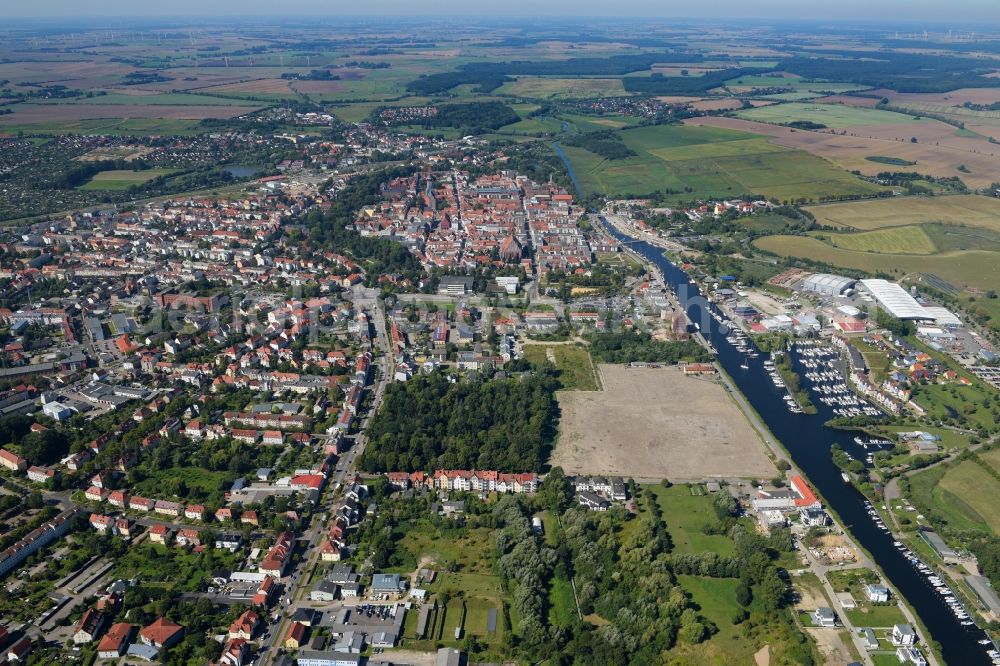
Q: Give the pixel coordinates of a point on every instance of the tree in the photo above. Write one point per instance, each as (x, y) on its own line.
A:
(744, 595)
(556, 491)
(35, 500)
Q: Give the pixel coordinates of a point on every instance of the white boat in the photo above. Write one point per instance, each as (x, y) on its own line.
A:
(744, 365)
(846, 477)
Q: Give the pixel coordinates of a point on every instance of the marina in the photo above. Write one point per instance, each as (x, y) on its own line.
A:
(809, 441)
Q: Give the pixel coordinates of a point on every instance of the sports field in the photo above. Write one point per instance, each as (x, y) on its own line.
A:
(966, 209)
(704, 162)
(831, 115)
(122, 179)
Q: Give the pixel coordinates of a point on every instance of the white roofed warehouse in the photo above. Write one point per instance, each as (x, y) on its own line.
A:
(895, 300)
(828, 285)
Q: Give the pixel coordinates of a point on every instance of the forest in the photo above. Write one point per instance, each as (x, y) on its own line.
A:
(491, 76)
(657, 84)
(606, 143)
(472, 115)
(626, 581)
(633, 346)
(429, 423)
(902, 72)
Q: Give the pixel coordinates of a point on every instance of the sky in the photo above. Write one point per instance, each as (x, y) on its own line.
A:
(951, 12)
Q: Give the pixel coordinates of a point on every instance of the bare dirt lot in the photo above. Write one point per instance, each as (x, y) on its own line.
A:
(655, 423)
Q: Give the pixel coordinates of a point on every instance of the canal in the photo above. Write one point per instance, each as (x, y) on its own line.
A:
(809, 441)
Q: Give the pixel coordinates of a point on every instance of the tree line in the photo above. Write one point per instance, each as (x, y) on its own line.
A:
(629, 346)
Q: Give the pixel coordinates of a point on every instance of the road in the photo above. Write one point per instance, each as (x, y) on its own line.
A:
(295, 582)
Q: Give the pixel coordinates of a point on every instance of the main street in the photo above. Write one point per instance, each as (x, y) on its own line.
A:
(296, 581)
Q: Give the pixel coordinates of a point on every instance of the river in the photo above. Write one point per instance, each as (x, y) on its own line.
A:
(809, 441)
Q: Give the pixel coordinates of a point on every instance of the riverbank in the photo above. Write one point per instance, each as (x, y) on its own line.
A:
(808, 441)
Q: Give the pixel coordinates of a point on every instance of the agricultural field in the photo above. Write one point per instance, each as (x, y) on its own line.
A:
(576, 370)
(899, 240)
(961, 209)
(122, 180)
(938, 150)
(540, 87)
(702, 162)
(976, 269)
(961, 495)
(832, 115)
(66, 118)
(164, 99)
(991, 458)
(801, 89)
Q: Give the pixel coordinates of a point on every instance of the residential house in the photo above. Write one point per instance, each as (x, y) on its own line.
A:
(824, 617)
(101, 523)
(118, 498)
(296, 636)
(160, 534)
(95, 494)
(245, 626)
(903, 635)
(592, 501)
(227, 540)
(12, 461)
(115, 641)
(137, 503)
(276, 560)
(194, 512)
(161, 633)
(89, 627)
(877, 593)
(265, 592)
(18, 652)
(236, 653)
(40, 474)
(188, 536)
(165, 508)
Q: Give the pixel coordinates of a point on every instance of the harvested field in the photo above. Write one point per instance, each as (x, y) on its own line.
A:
(717, 104)
(707, 162)
(950, 98)
(848, 100)
(655, 423)
(938, 151)
(319, 87)
(838, 116)
(272, 86)
(545, 87)
(967, 209)
(910, 239)
(53, 113)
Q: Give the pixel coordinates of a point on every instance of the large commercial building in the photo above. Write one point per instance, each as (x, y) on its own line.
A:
(828, 285)
(895, 300)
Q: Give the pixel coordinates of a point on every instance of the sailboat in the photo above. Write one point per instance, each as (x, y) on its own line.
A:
(744, 365)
